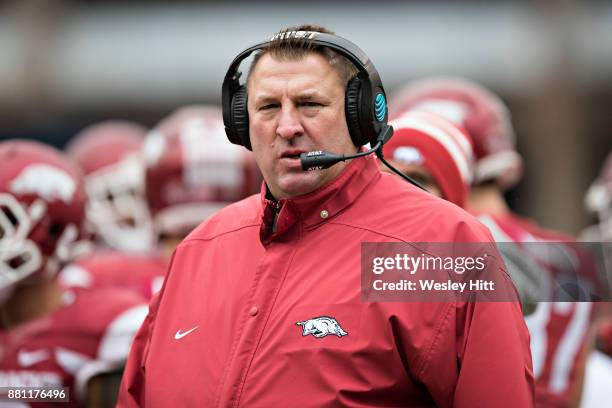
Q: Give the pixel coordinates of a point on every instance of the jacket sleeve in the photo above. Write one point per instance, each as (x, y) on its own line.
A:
(495, 357)
(132, 390)
(480, 357)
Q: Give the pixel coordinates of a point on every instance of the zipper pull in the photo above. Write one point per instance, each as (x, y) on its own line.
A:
(277, 208)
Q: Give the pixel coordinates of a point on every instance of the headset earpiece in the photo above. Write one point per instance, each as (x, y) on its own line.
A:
(352, 108)
(240, 117)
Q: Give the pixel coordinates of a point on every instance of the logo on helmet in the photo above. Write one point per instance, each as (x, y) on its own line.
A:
(48, 182)
(408, 155)
(321, 327)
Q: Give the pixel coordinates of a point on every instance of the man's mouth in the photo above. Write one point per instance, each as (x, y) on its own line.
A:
(291, 154)
(290, 159)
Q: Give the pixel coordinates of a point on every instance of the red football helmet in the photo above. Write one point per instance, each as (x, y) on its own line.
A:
(429, 141)
(42, 209)
(480, 112)
(117, 212)
(193, 171)
(140, 272)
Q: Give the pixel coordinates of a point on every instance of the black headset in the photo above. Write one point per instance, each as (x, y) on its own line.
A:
(365, 101)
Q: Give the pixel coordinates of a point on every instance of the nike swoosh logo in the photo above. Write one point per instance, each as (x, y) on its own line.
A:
(180, 335)
(29, 358)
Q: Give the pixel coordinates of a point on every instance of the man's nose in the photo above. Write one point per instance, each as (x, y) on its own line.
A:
(289, 125)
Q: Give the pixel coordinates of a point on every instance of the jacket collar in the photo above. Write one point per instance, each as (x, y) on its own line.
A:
(319, 206)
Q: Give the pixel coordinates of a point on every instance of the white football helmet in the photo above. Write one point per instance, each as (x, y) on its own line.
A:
(117, 212)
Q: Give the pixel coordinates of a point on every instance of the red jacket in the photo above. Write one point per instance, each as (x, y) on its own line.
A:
(232, 325)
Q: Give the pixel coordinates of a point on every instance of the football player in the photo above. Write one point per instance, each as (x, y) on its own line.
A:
(559, 330)
(117, 212)
(50, 336)
(191, 172)
(109, 153)
(439, 155)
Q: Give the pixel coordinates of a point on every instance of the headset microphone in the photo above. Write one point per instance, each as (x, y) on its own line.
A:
(319, 159)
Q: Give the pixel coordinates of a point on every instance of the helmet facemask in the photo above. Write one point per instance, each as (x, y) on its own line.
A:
(20, 257)
(117, 211)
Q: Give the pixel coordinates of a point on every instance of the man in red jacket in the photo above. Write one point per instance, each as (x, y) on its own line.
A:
(263, 303)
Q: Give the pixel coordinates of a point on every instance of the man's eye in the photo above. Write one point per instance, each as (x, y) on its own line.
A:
(268, 106)
(310, 104)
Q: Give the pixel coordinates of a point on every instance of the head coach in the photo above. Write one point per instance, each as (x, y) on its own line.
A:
(262, 303)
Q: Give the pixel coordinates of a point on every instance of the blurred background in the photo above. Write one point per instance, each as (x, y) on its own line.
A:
(65, 64)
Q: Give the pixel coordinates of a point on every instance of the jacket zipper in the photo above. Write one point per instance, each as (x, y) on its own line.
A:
(277, 208)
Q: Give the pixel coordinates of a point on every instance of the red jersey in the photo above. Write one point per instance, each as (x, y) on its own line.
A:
(143, 273)
(558, 330)
(89, 334)
(258, 311)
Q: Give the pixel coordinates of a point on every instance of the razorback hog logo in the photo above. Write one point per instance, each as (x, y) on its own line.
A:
(48, 182)
(321, 327)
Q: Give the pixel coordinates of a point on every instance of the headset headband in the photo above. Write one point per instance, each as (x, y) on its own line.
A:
(340, 45)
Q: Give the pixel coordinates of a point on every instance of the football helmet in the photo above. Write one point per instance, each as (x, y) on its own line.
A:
(143, 273)
(117, 212)
(42, 209)
(427, 140)
(480, 112)
(192, 171)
